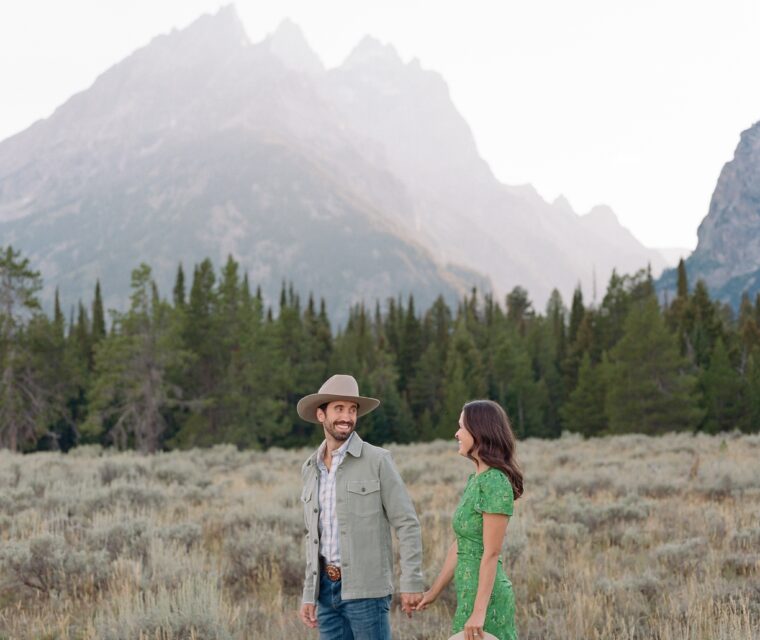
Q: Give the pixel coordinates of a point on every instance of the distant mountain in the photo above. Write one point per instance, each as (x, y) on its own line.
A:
(356, 183)
(459, 207)
(727, 256)
(201, 144)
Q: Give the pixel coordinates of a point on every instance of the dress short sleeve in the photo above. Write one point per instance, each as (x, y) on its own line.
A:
(495, 493)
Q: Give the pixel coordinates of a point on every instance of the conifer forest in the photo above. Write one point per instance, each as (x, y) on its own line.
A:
(210, 362)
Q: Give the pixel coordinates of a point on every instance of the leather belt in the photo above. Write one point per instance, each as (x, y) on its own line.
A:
(332, 570)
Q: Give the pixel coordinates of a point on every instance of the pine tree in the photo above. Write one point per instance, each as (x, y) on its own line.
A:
(750, 422)
(58, 318)
(464, 377)
(51, 371)
(682, 290)
(703, 325)
(24, 401)
(519, 309)
(541, 342)
(585, 341)
(723, 392)
(179, 288)
(199, 333)
(98, 316)
(410, 346)
(524, 398)
(133, 390)
(577, 311)
(749, 332)
(584, 410)
(648, 387)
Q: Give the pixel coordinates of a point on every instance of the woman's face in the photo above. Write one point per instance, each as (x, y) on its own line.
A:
(464, 438)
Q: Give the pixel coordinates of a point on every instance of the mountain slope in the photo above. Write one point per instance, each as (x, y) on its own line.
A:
(460, 208)
(359, 182)
(201, 144)
(727, 256)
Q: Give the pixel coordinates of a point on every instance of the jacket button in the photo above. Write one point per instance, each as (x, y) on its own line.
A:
(364, 489)
(313, 573)
(316, 541)
(306, 531)
(316, 510)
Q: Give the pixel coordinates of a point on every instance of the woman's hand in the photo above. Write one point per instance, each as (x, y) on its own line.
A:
(473, 628)
(428, 598)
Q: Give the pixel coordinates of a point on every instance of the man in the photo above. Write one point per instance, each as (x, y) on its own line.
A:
(352, 496)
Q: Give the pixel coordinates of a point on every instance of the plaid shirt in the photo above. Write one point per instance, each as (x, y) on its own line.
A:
(329, 540)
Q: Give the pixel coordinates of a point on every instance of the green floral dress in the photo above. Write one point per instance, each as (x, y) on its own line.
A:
(488, 492)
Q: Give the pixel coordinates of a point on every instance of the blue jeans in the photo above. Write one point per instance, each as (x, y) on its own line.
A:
(360, 619)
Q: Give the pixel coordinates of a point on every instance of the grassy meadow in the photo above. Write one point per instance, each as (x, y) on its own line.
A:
(622, 538)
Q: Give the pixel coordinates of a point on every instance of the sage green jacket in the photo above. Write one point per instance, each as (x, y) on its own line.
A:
(370, 499)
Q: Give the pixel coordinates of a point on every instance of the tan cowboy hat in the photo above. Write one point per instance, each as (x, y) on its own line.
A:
(483, 636)
(339, 387)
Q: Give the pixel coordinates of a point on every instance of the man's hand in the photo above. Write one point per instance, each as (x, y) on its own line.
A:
(409, 602)
(427, 599)
(308, 615)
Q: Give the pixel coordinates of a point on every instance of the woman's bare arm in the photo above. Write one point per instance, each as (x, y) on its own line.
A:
(445, 575)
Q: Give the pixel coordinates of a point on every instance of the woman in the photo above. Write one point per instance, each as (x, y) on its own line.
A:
(485, 601)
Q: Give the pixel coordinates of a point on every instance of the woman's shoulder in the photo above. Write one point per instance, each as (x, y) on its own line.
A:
(495, 494)
(495, 479)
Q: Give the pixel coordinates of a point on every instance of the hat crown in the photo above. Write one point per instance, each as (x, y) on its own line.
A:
(340, 385)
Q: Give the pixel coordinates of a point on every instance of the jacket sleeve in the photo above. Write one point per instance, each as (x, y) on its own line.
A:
(403, 518)
(311, 571)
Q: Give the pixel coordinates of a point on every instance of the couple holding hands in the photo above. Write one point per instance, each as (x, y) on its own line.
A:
(353, 496)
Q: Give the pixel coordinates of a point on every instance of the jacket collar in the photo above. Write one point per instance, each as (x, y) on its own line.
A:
(354, 448)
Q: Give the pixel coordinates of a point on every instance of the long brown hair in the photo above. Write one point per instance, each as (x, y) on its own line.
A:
(494, 440)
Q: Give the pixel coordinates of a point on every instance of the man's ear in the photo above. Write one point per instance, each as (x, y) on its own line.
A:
(321, 415)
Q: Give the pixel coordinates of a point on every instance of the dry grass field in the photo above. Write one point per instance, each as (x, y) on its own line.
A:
(620, 538)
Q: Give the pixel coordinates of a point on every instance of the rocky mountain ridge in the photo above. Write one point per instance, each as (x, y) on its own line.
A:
(356, 183)
(727, 256)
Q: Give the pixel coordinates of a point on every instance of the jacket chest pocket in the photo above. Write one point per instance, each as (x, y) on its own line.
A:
(308, 504)
(364, 497)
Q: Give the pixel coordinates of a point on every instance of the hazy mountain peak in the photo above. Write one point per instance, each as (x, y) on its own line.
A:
(224, 24)
(371, 51)
(602, 214)
(562, 204)
(290, 46)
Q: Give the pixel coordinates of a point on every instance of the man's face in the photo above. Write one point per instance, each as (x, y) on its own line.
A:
(338, 419)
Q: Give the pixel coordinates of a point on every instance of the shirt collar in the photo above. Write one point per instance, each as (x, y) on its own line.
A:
(338, 453)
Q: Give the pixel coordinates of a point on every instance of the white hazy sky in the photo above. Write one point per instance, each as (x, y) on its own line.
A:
(632, 103)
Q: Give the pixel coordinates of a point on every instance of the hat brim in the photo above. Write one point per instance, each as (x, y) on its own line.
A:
(308, 405)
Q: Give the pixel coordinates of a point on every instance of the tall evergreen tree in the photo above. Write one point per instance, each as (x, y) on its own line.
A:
(98, 316)
(703, 325)
(584, 410)
(410, 347)
(179, 288)
(524, 398)
(723, 391)
(24, 402)
(648, 387)
(577, 311)
(519, 309)
(682, 290)
(464, 377)
(133, 390)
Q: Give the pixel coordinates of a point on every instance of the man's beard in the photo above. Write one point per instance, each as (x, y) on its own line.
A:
(339, 435)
